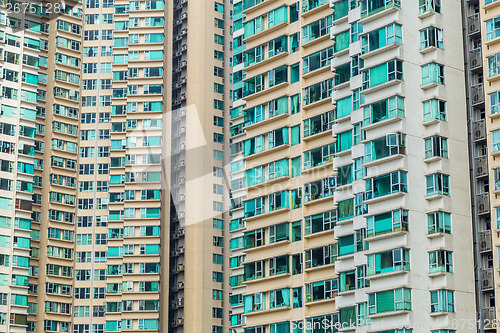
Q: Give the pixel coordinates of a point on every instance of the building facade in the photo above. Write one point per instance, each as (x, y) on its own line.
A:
(486, 14)
(106, 146)
(357, 210)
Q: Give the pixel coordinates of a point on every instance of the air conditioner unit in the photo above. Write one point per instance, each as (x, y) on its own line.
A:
(472, 27)
(180, 267)
(476, 98)
(181, 215)
(479, 170)
(487, 284)
(182, 129)
(180, 301)
(474, 62)
(181, 232)
(182, 146)
(478, 134)
(180, 285)
(182, 180)
(481, 209)
(179, 321)
(483, 245)
(181, 249)
(181, 197)
(182, 163)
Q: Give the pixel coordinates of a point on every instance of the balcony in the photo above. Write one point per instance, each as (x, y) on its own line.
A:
(481, 164)
(473, 24)
(486, 278)
(477, 94)
(484, 241)
(483, 203)
(475, 59)
(487, 316)
(479, 130)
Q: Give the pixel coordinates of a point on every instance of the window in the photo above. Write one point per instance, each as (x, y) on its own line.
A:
(442, 301)
(380, 38)
(439, 222)
(388, 261)
(317, 29)
(438, 183)
(431, 37)
(320, 256)
(436, 146)
(321, 290)
(390, 71)
(429, 5)
(434, 109)
(440, 261)
(389, 301)
(393, 221)
(432, 73)
(386, 184)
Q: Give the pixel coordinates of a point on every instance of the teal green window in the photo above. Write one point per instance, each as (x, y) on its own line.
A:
(388, 222)
(433, 6)
(372, 7)
(437, 183)
(317, 124)
(344, 175)
(253, 270)
(253, 145)
(278, 200)
(278, 137)
(342, 41)
(434, 109)
(317, 60)
(296, 166)
(341, 9)
(321, 290)
(342, 74)
(277, 76)
(253, 27)
(254, 207)
(343, 107)
(345, 209)
(254, 302)
(438, 222)
(319, 156)
(320, 222)
(382, 37)
(318, 91)
(254, 176)
(254, 115)
(440, 261)
(278, 169)
(390, 71)
(295, 131)
(278, 106)
(442, 301)
(344, 141)
(279, 232)
(277, 299)
(277, 46)
(382, 110)
(277, 16)
(388, 261)
(347, 281)
(432, 73)
(386, 184)
(389, 145)
(317, 29)
(389, 301)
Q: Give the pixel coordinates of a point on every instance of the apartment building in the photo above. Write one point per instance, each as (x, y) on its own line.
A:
(479, 176)
(113, 133)
(357, 209)
(482, 21)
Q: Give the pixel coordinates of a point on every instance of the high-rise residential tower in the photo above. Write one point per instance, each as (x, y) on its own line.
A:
(357, 209)
(483, 21)
(112, 188)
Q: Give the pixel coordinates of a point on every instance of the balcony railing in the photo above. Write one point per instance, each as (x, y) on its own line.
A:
(486, 279)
